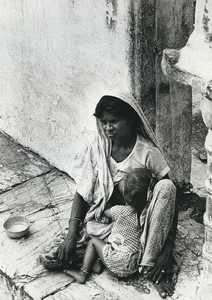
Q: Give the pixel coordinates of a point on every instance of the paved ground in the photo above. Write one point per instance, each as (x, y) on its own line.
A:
(31, 187)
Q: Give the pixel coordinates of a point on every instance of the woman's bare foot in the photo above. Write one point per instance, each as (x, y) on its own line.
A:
(98, 267)
(145, 271)
(50, 262)
(165, 288)
(80, 276)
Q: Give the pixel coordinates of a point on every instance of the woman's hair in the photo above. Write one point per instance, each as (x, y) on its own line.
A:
(136, 185)
(118, 108)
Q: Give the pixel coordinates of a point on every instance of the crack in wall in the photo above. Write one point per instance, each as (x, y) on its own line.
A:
(111, 13)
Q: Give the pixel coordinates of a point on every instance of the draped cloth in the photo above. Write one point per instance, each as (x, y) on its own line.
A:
(92, 175)
(91, 168)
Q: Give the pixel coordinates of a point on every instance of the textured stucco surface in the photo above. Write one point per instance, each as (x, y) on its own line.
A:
(198, 48)
(57, 58)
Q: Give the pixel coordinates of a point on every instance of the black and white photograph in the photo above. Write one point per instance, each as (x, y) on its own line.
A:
(105, 149)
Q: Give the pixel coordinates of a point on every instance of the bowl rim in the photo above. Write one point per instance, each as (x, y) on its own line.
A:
(24, 219)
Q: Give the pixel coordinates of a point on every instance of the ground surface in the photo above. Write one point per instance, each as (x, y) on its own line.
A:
(31, 187)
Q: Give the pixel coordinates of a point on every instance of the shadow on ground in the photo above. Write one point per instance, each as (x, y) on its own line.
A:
(195, 203)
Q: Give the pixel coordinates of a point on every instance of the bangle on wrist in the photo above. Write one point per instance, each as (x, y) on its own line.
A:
(77, 219)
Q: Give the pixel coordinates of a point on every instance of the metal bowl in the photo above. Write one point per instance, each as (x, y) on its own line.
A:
(16, 227)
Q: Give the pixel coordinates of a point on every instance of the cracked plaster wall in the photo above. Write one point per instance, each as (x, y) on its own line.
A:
(57, 58)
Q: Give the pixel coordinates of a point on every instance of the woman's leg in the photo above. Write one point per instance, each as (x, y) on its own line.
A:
(159, 220)
(158, 223)
(93, 251)
(98, 266)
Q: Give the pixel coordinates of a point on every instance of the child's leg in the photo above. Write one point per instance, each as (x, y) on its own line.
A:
(93, 251)
(98, 267)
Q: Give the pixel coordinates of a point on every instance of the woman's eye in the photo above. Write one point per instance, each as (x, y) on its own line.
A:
(114, 121)
(103, 122)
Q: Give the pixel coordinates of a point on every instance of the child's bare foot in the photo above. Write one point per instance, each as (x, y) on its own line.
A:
(165, 288)
(80, 276)
(98, 267)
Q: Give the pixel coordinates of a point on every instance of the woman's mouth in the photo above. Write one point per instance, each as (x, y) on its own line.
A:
(110, 133)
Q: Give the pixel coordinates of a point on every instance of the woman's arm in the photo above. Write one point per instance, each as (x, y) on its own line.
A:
(67, 249)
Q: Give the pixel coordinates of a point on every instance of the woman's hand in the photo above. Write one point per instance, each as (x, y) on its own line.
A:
(67, 249)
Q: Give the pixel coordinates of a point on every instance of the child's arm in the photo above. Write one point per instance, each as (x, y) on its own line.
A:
(107, 213)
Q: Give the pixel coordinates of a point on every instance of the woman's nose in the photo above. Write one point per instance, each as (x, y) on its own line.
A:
(109, 126)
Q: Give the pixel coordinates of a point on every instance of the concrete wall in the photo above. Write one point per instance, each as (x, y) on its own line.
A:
(57, 58)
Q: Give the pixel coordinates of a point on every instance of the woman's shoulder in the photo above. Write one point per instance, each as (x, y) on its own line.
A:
(148, 150)
(145, 143)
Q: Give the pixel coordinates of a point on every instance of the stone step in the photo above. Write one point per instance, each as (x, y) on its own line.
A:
(18, 164)
(45, 197)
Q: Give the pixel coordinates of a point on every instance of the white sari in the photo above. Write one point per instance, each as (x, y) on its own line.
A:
(93, 175)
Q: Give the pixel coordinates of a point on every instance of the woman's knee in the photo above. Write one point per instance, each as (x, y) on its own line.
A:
(166, 190)
(165, 184)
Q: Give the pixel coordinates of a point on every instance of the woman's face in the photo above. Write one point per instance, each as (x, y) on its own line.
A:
(116, 128)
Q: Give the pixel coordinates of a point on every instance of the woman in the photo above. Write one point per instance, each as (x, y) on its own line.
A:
(124, 142)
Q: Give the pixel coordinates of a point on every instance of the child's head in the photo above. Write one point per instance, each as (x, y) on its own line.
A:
(136, 186)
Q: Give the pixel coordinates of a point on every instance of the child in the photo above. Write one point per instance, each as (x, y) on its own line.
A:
(121, 253)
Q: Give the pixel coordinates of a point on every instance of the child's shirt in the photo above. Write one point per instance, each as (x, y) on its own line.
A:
(125, 233)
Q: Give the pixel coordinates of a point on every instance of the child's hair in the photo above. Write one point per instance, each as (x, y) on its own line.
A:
(136, 185)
